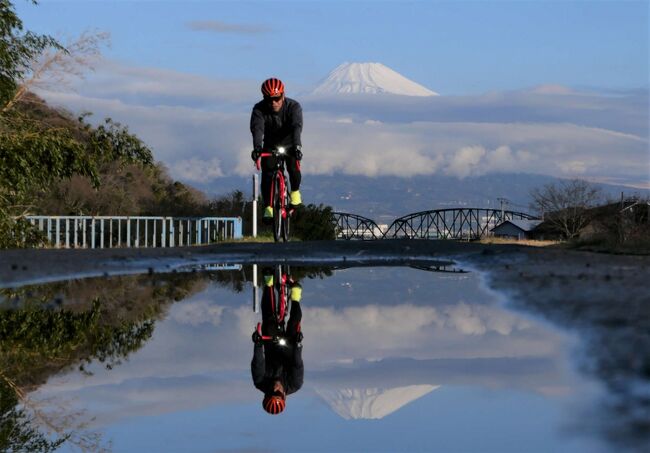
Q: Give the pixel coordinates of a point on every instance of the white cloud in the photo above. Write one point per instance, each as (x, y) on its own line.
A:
(573, 167)
(465, 161)
(199, 127)
(198, 170)
(197, 312)
(216, 26)
(138, 85)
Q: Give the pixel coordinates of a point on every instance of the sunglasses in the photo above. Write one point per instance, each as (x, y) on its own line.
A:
(275, 99)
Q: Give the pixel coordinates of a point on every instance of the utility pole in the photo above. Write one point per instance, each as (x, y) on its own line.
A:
(502, 201)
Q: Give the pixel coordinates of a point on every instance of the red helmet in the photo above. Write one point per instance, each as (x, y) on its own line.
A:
(273, 404)
(272, 88)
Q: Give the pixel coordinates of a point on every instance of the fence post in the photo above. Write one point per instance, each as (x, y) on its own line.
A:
(58, 233)
(128, 232)
(238, 228)
(92, 233)
(163, 231)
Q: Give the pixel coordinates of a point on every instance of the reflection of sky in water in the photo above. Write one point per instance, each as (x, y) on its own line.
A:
(395, 359)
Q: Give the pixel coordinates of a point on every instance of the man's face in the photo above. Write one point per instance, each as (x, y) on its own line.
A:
(276, 102)
(278, 387)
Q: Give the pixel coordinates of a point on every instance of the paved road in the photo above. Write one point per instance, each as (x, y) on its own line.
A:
(30, 266)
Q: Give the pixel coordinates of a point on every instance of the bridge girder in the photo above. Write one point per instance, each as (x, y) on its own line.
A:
(448, 223)
(353, 226)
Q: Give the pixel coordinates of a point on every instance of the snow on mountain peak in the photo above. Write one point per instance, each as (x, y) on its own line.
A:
(372, 78)
(371, 403)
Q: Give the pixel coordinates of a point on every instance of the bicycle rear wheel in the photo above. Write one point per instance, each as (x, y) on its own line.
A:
(277, 208)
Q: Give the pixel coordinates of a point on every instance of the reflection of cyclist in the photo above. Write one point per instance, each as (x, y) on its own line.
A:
(277, 121)
(278, 370)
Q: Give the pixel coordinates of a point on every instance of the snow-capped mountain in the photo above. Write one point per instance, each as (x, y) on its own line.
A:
(371, 403)
(372, 78)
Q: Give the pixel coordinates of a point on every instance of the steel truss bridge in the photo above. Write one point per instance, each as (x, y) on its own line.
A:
(453, 223)
(352, 226)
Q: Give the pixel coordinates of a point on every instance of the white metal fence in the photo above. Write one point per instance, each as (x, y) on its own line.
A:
(123, 231)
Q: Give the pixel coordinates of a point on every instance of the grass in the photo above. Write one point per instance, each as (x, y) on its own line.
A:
(640, 246)
(527, 242)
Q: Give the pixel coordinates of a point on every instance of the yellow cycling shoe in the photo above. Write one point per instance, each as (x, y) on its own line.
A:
(296, 293)
(268, 212)
(296, 199)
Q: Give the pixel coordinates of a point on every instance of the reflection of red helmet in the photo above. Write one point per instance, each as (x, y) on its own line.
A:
(272, 88)
(273, 404)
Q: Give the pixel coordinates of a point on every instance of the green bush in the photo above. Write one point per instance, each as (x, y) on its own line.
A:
(313, 223)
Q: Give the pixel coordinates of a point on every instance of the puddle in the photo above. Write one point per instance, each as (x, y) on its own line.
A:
(394, 358)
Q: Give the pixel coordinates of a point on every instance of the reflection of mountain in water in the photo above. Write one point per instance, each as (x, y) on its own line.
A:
(372, 403)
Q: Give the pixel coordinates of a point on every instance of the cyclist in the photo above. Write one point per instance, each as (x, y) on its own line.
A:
(278, 370)
(276, 121)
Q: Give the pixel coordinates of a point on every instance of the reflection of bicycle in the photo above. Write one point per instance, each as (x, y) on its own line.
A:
(279, 301)
(279, 195)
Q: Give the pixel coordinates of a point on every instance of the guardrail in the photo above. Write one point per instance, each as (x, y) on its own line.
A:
(135, 231)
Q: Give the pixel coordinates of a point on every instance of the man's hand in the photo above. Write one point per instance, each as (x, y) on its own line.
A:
(297, 153)
(255, 154)
(257, 338)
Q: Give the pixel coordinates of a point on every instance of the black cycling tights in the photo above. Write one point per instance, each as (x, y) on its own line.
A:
(268, 170)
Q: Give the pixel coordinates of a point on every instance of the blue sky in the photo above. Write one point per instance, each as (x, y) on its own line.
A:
(556, 88)
(450, 47)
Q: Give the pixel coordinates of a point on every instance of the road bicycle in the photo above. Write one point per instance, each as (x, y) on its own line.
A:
(280, 307)
(282, 209)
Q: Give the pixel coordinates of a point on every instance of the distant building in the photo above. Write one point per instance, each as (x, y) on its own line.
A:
(518, 229)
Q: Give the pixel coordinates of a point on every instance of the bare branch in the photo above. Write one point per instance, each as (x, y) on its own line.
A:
(565, 205)
(55, 68)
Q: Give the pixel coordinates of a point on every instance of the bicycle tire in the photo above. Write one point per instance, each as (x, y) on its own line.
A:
(286, 220)
(277, 209)
(282, 296)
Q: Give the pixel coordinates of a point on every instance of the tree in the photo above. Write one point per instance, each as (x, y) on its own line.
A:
(33, 153)
(17, 50)
(565, 205)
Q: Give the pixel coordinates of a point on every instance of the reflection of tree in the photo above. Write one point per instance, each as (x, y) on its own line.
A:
(17, 431)
(54, 327)
(39, 342)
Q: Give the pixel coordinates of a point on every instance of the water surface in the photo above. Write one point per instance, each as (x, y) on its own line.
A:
(395, 359)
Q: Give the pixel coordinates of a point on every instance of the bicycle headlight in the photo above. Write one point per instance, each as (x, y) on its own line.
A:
(282, 342)
(281, 150)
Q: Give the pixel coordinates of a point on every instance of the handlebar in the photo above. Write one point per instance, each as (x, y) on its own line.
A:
(275, 339)
(277, 152)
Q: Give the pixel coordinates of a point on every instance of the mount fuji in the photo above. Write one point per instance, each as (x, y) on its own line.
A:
(369, 78)
(371, 403)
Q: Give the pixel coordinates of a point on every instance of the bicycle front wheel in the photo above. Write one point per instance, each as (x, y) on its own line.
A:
(277, 208)
(286, 218)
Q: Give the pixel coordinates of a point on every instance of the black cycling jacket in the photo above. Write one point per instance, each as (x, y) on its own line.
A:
(272, 129)
(271, 363)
